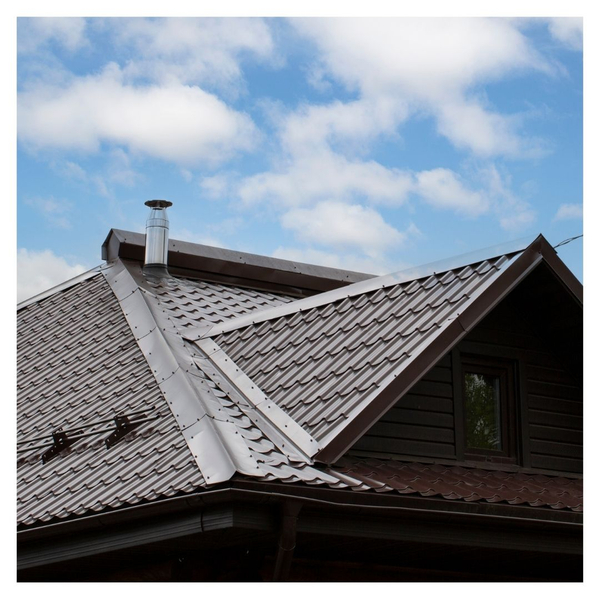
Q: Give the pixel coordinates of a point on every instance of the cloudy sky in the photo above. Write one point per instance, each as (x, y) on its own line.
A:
(366, 144)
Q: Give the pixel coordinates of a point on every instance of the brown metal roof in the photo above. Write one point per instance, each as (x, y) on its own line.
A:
(464, 483)
(118, 343)
(81, 364)
(78, 367)
(324, 365)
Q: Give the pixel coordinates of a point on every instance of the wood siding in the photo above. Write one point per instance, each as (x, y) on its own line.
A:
(422, 423)
(552, 407)
(549, 401)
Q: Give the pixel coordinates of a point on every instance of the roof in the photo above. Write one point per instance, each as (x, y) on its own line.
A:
(234, 267)
(194, 381)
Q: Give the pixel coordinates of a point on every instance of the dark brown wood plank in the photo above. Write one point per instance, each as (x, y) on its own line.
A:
(404, 447)
(556, 449)
(432, 388)
(549, 374)
(418, 417)
(556, 434)
(566, 407)
(439, 374)
(555, 390)
(569, 465)
(412, 432)
(541, 417)
(415, 402)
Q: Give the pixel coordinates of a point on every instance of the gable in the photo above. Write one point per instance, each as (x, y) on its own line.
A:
(424, 423)
(333, 367)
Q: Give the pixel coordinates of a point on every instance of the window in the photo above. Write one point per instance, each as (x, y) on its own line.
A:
(489, 409)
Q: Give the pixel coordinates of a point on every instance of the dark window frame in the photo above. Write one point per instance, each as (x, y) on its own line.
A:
(507, 372)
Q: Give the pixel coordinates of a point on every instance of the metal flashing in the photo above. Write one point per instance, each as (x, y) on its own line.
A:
(370, 285)
(291, 435)
(203, 441)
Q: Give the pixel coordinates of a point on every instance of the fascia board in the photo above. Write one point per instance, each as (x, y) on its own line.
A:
(562, 272)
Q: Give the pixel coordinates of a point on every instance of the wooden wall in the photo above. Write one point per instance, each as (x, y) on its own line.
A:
(549, 399)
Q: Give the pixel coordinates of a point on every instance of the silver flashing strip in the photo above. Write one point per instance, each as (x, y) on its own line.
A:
(366, 286)
(229, 434)
(60, 287)
(194, 422)
(291, 439)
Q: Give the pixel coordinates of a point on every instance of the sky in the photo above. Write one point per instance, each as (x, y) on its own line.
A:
(360, 143)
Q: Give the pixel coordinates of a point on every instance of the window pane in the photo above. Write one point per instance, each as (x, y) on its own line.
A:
(482, 409)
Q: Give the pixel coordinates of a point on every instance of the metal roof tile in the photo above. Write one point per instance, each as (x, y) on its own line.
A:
(78, 362)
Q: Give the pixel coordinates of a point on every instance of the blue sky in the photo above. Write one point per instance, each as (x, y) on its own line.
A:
(365, 144)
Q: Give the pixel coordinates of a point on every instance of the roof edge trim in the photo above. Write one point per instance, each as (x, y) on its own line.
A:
(60, 287)
(239, 266)
(370, 285)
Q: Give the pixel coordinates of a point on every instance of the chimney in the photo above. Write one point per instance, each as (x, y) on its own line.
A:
(157, 238)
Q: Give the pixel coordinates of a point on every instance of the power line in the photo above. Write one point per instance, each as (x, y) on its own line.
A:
(568, 240)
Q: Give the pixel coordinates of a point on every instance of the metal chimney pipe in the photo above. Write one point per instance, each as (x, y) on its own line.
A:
(157, 237)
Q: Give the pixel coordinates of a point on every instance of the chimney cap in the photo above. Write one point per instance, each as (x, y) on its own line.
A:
(158, 203)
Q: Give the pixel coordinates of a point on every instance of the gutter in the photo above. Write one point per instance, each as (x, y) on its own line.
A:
(268, 493)
(273, 511)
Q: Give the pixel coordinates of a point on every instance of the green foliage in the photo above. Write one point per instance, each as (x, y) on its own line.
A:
(482, 411)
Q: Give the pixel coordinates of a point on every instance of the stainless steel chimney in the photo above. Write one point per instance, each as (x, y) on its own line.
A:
(157, 238)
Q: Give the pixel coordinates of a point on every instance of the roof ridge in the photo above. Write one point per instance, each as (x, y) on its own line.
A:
(362, 287)
(170, 365)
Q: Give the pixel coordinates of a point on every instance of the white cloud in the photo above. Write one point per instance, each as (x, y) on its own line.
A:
(468, 125)
(34, 32)
(40, 271)
(178, 123)
(569, 211)
(326, 176)
(343, 225)
(55, 211)
(120, 170)
(442, 188)
(431, 65)
(193, 50)
(216, 186)
(349, 262)
(312, 128)
(197, 238)
(513, 212)
(70, 170)
(187, 175)
(568, 30)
